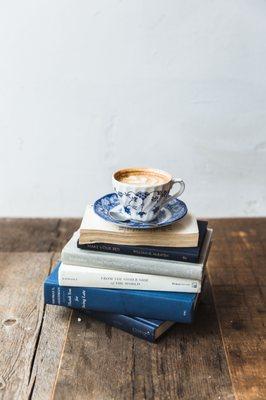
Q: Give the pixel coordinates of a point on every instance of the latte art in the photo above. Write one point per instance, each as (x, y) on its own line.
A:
(142, 179)
(139, 177)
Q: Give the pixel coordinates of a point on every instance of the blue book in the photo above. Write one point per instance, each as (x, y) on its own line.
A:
(148, 329)
(187, 254)
(166, 306)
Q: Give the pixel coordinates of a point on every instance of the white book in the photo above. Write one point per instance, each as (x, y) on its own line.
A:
(71, 254)
(183, 233)
(74, 275)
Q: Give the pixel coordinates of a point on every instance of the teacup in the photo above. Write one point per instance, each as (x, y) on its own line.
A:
(142, 192)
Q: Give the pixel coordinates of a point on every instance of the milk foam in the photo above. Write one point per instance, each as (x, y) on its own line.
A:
(141, 179)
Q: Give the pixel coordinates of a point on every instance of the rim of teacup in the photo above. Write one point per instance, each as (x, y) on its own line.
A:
(155, 170)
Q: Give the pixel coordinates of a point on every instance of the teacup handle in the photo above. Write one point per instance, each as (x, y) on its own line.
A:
(178, 193)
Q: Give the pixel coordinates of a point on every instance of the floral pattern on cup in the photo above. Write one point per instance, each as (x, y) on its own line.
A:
(140, 200)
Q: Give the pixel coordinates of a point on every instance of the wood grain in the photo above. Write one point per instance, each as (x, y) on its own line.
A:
(101, 362)
(67, 356)
(48, 353)
(238, 276)
(21, 312)
(66, 228)
(35, 234)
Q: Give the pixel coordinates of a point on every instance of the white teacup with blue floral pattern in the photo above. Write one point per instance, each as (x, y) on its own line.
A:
(142, 192)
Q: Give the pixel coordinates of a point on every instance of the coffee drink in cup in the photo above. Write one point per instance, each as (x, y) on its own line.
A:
(141, 176)
(142, 192)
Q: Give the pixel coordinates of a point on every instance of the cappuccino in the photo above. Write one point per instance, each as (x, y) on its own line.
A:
(142, 192)
(142, 177)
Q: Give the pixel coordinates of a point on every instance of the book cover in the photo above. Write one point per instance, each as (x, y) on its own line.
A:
(74, 275)
(164, 306)
(148, 329)
(183, 233)
(71, 254)
(186, 254)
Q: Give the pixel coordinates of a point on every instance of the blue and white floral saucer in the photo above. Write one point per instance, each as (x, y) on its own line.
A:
(108, 206)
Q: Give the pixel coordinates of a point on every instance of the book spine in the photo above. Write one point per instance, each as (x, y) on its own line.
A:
(165, 254)
(74, 275)
(148, 305)
(126, 263)
(125, 323)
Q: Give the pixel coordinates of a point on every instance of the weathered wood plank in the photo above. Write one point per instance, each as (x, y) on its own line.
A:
(101, 362)
(237, 270)
(49, 350)
(66, 228)
(21, 312)
(35, 234)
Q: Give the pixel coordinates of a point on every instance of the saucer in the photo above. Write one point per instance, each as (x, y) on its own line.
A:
(172, 212)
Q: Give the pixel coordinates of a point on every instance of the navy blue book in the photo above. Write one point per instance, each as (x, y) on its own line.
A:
(148, 329)
(166, 306)
(188, 254)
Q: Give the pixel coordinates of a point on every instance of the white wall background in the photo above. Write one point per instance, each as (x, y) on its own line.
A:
(89, 86)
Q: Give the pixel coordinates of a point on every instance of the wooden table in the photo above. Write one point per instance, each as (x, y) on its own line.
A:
(51, 352)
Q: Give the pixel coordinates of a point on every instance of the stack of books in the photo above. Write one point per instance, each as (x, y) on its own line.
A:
(141, 281)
